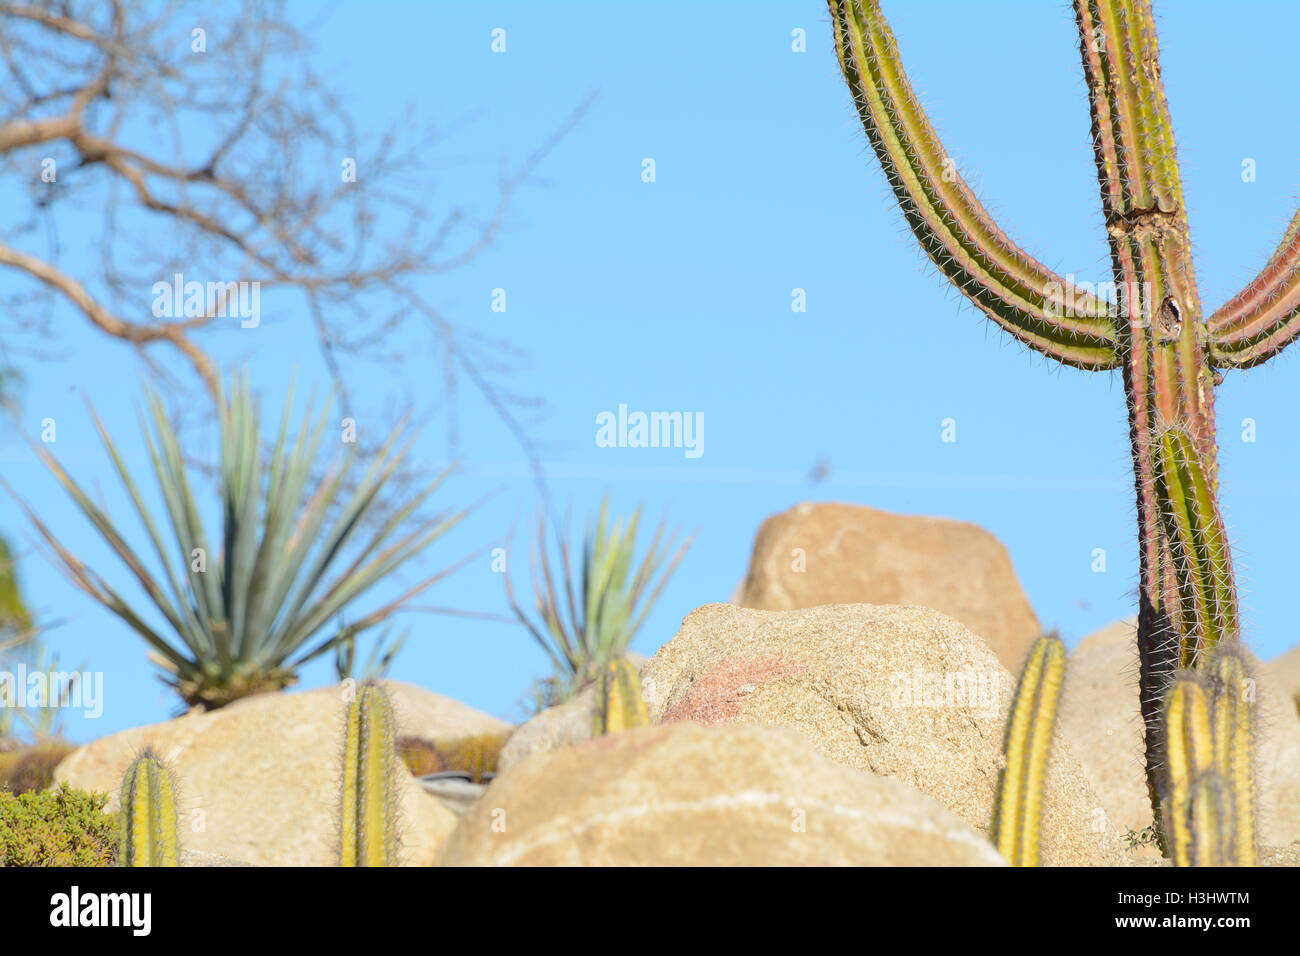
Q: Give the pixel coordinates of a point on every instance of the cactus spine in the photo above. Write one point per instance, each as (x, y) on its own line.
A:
(149, 835)
(620, 705)
(1018, 804)
(1171, 354)
(369, 793)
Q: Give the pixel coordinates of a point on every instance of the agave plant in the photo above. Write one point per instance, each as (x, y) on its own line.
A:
(605, 609)
(243, 625)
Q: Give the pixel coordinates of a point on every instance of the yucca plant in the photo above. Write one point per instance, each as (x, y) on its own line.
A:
(242, 623)
(601, 611)
(1169, 349)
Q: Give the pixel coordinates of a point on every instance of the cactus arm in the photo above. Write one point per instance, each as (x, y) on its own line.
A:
(1026, 299)
(1264, 318)
(1017, 805)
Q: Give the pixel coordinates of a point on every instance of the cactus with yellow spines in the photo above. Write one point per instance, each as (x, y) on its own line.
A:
(619, 704)
(1232, 711)
(368, 821)
(148, 832)
(1017, 807)
(1190, 754)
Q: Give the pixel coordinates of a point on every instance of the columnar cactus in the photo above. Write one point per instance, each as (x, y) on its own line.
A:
(1170, 355)
(1018, 804)
(619, 704)
(1232, 714)
(1190, 757)
(148, 830)
(368, 828)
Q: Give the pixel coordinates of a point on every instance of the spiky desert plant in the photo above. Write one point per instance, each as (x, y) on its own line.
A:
(1232, 715)
(148, 831)
(1189, 742)
(1027, 747)
(1170, 354)
(619, 703)
(605, 607)
(241, 608)
(368, 793)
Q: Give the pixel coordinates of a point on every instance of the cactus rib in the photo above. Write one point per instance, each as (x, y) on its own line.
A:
(1017, 809)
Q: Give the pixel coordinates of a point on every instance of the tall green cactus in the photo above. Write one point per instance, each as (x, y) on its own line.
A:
(148, 834)
(619, 704)
(1018, 804)
(1169, 352)
(368, 820)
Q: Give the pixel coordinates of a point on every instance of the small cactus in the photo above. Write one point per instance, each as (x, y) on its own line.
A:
(1208, 807)
(1189, 744)
(369, 794)
(619, 704)
(1017, 807)
(148, 831)
(1232, 712)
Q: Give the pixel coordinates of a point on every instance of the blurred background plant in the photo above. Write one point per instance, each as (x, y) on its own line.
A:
(377, 664)
(593, 618)
(476, 755)
(243, 625)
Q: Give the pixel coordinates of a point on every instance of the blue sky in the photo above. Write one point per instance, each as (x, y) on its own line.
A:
(676, 295)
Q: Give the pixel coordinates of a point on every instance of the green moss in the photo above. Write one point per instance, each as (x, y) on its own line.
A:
(62, 827)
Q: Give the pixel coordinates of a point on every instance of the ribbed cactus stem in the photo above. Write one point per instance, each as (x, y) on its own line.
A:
(1232, 711)
(149, 835)
(1211, 823)
(1017, 808)
(620, 705)
(1189, 744)
(369, 795)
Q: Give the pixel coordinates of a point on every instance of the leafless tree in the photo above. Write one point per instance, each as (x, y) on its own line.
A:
(211, 149)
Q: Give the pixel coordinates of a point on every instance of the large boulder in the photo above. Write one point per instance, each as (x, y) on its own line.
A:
(817, 554)
(560, 726)
(1100, 717)
(563, 725)
(687, 795)
(258, 780)
(904, 692)
(433, 717)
